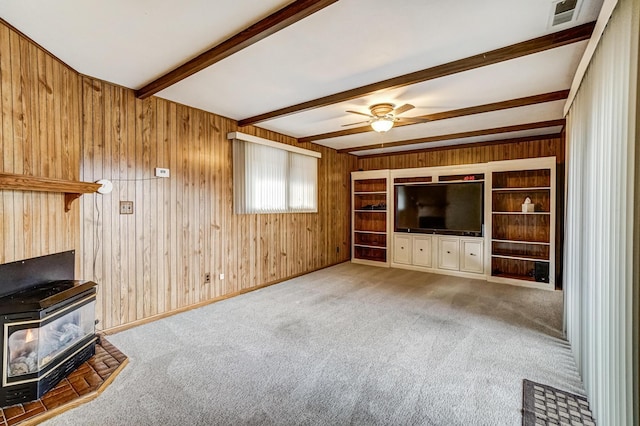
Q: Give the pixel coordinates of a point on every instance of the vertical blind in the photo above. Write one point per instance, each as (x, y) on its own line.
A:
(272, 179)
(598, 258)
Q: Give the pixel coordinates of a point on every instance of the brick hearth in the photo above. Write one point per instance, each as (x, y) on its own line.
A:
(81, 386)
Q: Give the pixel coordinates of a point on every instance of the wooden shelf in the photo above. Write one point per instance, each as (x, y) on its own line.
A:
(357, 231)
(70, 188)
(498, 240)
(369, 192)
(370, 240)
(530, 188)
(522, 213)
(371, 210)
(533, 258)
(515, 277)
(373, 247)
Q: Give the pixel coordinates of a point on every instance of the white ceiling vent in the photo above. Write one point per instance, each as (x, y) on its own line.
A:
(564, 11)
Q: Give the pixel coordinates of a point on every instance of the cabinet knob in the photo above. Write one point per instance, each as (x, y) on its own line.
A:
(420, 249)
(448, 252)
(401, 248)
(472, 254)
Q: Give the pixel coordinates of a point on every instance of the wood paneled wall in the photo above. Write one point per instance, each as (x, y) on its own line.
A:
(155, 260)
(39, 136)
(56, 123)
(468, 155)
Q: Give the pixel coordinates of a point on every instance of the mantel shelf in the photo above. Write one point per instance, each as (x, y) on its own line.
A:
(71, 189)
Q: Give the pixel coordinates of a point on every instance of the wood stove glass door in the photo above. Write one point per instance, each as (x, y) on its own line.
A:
(32, 345)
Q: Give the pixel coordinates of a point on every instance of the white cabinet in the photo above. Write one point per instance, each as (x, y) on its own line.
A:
(449, 253)
(402, 248)
(422, 250)
(446, 254)
(471, 256)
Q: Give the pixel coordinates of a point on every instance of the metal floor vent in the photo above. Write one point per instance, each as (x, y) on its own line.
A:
(564, 11)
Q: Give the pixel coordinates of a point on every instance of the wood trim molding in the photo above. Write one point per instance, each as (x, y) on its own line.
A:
(483, 132)
(540, 44)
(463, 146)
(479, 109)
(273, 23)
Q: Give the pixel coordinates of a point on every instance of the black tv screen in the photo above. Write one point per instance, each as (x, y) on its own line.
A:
(453, 207)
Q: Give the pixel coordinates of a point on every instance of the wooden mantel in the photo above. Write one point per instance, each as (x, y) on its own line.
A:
(72, 189)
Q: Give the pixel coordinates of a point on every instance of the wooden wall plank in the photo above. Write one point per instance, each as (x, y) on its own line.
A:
(59, 124)
(37, 139)
(468, 155)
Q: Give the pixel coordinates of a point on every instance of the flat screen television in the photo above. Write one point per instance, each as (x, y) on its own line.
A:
(455, 208)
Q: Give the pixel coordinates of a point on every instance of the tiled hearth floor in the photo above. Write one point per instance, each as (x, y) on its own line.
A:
(79, 387)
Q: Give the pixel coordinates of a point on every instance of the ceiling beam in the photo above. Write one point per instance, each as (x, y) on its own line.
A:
(540, 44)
(479, 109)
(273, 23)
(470, 134)
(463, 146)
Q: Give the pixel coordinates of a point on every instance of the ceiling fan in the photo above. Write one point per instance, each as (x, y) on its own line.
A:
(384, 115)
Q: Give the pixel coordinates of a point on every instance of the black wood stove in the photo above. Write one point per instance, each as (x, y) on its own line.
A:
(47, 325)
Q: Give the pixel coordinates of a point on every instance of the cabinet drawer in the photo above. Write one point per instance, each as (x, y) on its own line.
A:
(422, 251)
(472, 256)
(449, 253)
(402, 249)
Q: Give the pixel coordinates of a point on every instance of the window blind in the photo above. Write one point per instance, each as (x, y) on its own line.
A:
(269, 177)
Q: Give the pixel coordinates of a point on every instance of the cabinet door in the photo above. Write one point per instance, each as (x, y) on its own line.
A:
(402, 249)
(471, 256)
(449, 253)
(422, 251)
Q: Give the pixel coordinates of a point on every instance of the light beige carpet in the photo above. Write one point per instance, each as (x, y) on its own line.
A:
(350, 344)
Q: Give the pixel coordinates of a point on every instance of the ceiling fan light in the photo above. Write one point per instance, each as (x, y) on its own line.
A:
(382, 125)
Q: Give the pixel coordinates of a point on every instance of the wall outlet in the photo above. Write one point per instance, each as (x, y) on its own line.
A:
(126, 207)
(222, 276)
(207, 278)
(163, 173)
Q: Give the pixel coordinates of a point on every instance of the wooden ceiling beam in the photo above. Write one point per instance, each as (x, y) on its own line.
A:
(540, 44)
(463, 146)
(479, 109)
(273, 23)
(470, 134)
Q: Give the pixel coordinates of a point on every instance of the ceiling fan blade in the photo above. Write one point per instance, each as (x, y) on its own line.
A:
(353, 124)
(361, 113)
(402, 109)
(411, 120)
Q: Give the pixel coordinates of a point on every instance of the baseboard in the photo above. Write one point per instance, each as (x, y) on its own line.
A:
(153, 318)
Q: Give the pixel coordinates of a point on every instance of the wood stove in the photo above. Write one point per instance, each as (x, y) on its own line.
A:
(47, 325)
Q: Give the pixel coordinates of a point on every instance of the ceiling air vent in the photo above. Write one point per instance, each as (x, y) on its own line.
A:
(564, 11)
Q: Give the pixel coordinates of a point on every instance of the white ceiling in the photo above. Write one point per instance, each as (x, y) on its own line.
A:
(349, 44)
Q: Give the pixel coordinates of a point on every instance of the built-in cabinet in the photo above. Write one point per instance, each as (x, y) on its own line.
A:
(471, 255)
(438, 253)
(517, 245)
(422, 250)
(370, 229)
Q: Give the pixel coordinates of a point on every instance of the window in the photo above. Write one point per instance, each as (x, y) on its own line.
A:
(270, 177)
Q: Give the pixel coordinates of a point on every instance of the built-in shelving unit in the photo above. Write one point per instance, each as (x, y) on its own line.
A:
(522, 242)
(517, 244)
(370, 201)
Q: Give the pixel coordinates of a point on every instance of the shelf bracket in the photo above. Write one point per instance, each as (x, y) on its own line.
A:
(68, 199)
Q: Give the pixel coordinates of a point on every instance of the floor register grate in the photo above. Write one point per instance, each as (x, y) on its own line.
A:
(544, 405)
